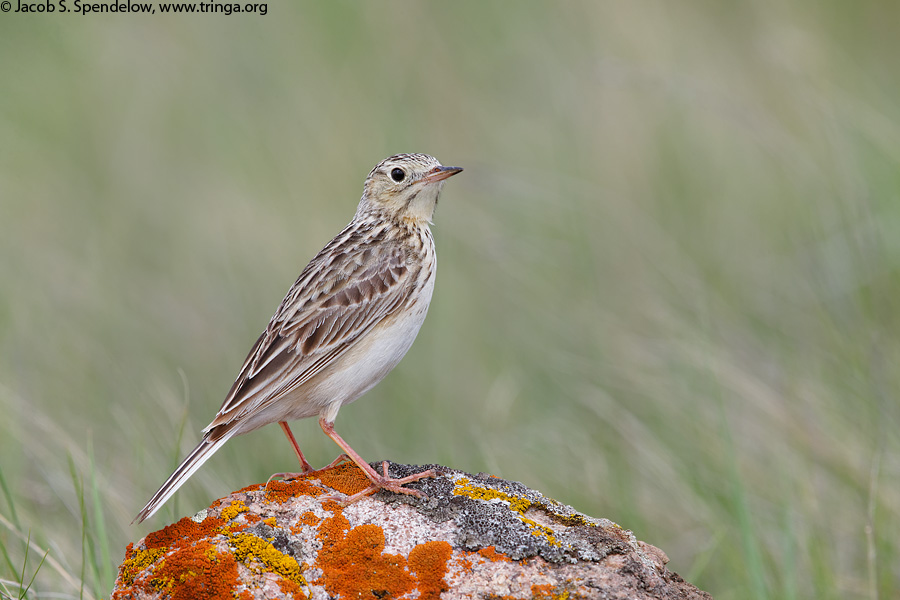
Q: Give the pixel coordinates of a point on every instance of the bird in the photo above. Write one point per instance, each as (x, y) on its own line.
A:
(344, 324)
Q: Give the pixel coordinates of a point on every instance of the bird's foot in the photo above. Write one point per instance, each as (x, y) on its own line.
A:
(385, 482)
(309, 471)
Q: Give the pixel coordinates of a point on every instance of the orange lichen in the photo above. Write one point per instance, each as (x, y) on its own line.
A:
(189, 572)
(492, 555)
(353, 564)
(183, 561)
(428, 562)
(235, 527)
(185, 528)
(193, 570)
(254, 487)
(291, 589)
(308, 518)
(463, 563)
(346, 478)
(282, 491)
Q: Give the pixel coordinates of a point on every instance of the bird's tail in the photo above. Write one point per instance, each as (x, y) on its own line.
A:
(199, 455)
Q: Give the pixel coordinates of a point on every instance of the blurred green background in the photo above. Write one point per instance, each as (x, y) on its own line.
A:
(668, 277)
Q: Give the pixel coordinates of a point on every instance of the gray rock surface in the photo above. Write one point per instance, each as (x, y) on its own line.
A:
(472, 536)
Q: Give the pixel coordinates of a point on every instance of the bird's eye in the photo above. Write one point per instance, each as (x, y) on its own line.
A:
(397, 175)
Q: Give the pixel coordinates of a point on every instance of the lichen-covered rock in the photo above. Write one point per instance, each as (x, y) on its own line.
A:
(474, 536)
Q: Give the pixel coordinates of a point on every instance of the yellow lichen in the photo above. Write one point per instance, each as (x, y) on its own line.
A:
(270, 522)
(540, 530)
(548, 592)
(520, 505)
(246, 546)
(162, 583)
(137, 562)
(211, 553)
(233, 510)
(463, 488)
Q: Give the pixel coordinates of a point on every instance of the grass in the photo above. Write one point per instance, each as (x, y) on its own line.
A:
(667, 287)
(22, 588)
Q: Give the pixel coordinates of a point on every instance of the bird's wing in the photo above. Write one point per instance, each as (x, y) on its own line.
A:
(341, 294)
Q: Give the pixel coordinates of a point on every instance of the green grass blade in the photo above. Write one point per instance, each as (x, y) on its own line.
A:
(107, 574)
(33, 575)
(9, 500)
(6, 557)
(78, 486)
(25, 562)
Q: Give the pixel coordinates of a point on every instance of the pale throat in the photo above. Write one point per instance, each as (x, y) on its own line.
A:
(420, 209)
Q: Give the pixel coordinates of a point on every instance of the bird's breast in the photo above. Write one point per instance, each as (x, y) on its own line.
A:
(378, 351)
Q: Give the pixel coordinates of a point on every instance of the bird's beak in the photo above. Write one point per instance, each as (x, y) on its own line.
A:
(440, 174)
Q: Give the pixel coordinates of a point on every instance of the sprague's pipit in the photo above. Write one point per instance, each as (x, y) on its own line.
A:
(345, 323)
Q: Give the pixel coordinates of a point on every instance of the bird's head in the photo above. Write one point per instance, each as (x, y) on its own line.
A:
(405, 186)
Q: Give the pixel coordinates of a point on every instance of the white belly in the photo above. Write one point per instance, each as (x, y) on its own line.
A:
(370, 360)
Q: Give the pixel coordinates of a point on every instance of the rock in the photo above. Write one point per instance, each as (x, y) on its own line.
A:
(474, 536)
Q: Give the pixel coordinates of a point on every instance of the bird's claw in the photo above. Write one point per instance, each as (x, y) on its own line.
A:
(387, 483)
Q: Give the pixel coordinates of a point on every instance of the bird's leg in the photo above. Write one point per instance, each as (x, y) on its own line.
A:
(379, 481)
(307, 468)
